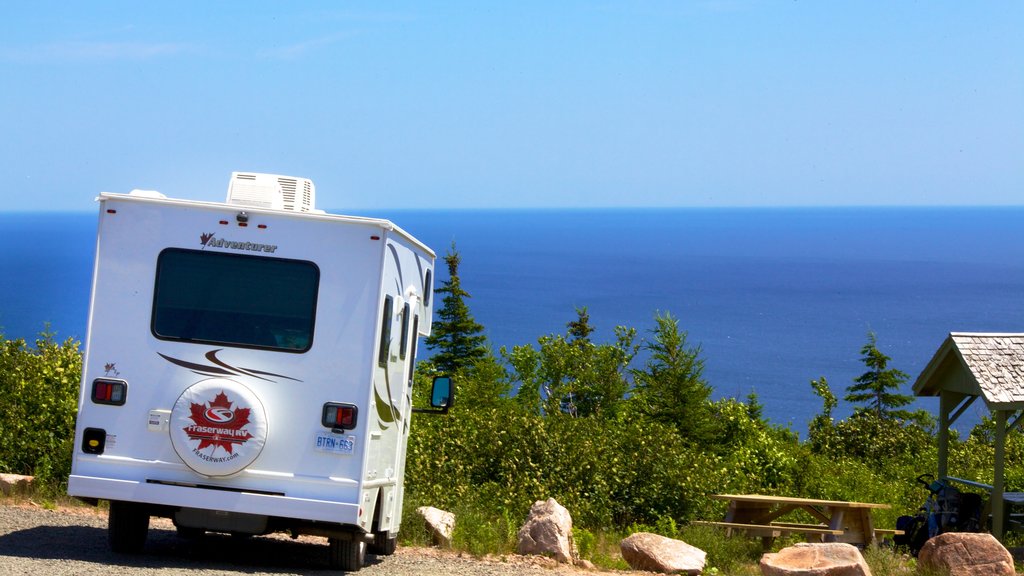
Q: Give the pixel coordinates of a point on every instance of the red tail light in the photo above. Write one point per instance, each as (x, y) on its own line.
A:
(106, 391)
(339, 416)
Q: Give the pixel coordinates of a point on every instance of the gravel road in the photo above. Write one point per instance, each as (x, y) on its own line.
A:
(35, 541)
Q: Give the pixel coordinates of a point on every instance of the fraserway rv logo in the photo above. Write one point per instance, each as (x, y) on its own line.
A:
(218, 427)
(218, 424)
(208, 241)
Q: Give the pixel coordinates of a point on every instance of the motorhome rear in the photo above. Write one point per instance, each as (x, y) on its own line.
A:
(249, 367)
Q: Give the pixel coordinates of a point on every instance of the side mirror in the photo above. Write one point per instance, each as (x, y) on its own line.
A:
(442, 395)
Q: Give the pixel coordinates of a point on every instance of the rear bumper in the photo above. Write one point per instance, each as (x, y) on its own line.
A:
(207, 499)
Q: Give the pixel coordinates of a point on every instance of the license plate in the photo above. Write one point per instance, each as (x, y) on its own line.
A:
(334, 443)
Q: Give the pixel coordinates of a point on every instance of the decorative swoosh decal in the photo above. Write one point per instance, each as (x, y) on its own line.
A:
(387, 413)
(385, 417)
(222, 368)
(400, 282)
(422, 276)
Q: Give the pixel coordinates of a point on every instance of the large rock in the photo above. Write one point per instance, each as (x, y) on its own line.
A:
(548, 532)
(965, 554)
(654, 553)
(812, 559)
(12, 483)
(439, 522)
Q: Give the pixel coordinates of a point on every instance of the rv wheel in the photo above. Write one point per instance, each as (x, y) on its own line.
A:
(383, 545)
(347, 555)
(127, 526)
(189, 533)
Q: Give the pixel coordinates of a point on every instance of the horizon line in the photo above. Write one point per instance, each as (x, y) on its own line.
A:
(600, 208)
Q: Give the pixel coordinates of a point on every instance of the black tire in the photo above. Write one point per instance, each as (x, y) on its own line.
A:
(382, 545)
(127, 527)
(190, 533)
(347, 555)
(917, 539)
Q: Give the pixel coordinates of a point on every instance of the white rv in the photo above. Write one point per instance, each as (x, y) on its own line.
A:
(249, 367)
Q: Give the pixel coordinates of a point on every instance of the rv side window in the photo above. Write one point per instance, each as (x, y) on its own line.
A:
(405, 332)
(427, 288)
(415, 337)
(385, 333)
(235, 300)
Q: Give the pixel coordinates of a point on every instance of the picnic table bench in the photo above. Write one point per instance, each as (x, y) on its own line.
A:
(759, 515)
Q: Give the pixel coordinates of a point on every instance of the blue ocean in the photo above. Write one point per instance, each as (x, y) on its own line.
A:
(774, 297)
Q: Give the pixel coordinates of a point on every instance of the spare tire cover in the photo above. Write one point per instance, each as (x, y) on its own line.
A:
(218, 427)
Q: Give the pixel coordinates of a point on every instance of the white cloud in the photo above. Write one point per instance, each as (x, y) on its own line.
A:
(83, 51)
(298, 49)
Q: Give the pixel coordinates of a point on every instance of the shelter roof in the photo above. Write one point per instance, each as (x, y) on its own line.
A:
(977, 364)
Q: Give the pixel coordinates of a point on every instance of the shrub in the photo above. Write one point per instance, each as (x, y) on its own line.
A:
(39, 396)
(480, 529)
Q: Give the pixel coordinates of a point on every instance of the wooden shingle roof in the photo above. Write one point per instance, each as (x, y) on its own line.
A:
(977, 364)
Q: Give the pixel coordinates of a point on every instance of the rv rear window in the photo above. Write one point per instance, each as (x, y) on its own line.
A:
(235, 300)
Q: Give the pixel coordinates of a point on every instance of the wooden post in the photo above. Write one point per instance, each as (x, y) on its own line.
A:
(946, 405)
(998, 522)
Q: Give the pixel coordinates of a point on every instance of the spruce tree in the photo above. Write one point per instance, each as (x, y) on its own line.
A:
(580, 328)
(878, 388)
(671, 387)
(456, 338)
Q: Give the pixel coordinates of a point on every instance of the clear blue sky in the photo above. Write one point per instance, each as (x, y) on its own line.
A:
(517, 104)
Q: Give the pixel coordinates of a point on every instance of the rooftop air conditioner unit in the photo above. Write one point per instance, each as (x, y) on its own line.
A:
(271, 191)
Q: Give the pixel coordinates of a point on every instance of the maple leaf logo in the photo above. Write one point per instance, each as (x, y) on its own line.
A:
(205, 238)
(217, 424)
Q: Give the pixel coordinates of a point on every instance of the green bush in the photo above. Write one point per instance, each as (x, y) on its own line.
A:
(481, 530)
(39, 396)
(606, 472)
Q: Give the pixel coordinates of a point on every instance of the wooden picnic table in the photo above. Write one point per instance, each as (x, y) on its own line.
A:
(761, 515)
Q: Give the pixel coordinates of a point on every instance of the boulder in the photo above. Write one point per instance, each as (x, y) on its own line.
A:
(548, 532)
(440, 524)
(654, 553)
(13, 483)
(965, 554)
(813, 559)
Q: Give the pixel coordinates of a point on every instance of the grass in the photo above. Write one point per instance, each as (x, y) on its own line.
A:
(886, 562)
(44, 495)
(479, 535)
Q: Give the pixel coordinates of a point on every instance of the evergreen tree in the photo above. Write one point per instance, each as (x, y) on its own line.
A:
(456, 338)
(580, 329)
(755, 410)
(671, 387)
(878, 388)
